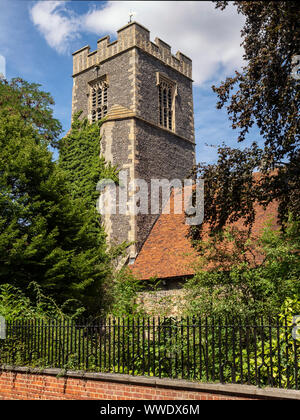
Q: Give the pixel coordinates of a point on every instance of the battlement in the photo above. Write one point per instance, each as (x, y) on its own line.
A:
(131, 35)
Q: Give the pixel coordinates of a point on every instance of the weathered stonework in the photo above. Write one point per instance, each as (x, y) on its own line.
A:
(132, 137)
(131, 35)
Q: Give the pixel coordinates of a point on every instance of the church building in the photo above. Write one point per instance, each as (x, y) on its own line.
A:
(145, 94)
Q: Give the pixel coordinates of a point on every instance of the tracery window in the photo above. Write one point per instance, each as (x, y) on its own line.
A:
(166, 94)
(98, 100)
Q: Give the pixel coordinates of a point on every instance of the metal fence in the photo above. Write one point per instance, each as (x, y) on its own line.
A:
(260, 352)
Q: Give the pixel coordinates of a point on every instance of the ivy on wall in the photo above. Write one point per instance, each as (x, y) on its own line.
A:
(80, 158)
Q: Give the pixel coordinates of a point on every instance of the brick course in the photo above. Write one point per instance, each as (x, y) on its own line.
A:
(30, 384)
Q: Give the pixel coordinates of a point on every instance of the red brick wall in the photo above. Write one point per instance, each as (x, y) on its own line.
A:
(28, 386)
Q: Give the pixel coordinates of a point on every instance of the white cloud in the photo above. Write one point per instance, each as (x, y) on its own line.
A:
(57, 23)
(2, 66)
(210, 37)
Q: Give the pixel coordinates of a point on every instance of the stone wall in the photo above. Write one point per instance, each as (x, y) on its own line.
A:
(131, 35)
(162, 302)
(131, 136)
(118, 71)
(147, 94)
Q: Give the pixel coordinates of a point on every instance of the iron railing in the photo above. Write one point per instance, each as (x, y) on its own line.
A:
(261, 352)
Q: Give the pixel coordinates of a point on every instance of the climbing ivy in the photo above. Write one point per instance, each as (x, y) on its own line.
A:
(80, 158)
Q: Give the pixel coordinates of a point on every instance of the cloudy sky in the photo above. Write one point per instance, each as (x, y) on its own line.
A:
(37, 39)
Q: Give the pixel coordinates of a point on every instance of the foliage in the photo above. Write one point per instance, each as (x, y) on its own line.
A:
(266, 95)
(46, 236)
(123, 294)
(245, 277)
(80, 158)
(33, 106)
(131, 297)
(276, 353)
(15, 305)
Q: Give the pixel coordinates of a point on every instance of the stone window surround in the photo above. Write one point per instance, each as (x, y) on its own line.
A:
(161, 78)
(102, 82)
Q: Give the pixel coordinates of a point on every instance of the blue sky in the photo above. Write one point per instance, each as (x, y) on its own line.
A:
(37, 39)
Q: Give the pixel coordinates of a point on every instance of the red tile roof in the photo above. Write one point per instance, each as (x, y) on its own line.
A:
(168, 252)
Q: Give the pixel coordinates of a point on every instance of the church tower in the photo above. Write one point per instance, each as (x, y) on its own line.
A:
(145, 94)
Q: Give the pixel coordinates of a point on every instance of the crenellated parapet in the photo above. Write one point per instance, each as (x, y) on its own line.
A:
(131, 35)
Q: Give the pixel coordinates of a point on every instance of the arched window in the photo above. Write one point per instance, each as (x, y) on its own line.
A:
(98, 100)
(166, 94)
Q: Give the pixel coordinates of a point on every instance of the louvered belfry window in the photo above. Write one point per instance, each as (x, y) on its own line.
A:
(165, 98)
(98, 100)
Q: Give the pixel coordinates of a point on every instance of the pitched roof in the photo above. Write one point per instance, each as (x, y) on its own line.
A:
(168, 252)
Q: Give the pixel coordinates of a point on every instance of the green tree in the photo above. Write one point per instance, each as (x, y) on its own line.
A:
(264, 94)
(46, 236)
(32, 105)
(246, 277)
